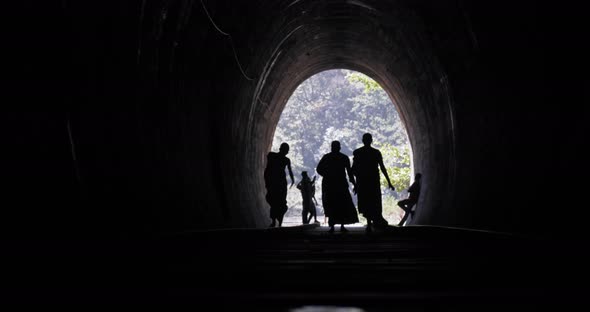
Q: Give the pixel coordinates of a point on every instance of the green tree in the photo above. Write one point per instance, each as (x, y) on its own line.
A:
(342, 105)
(370, 84)
(397, 163)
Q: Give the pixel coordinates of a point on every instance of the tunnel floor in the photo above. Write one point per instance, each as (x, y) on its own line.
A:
(399, 267)
(402, 269)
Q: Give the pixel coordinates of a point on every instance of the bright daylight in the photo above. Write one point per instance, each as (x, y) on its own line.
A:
(343, 105)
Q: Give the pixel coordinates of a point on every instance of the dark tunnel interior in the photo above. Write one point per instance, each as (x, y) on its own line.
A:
(136, 119)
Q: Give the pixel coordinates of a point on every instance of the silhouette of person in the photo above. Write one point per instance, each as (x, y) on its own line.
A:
(275, 182)
(336, 199)
(408, 203)
(366, 164)
(307, 188)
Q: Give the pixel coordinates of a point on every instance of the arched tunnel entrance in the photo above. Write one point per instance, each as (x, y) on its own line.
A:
(352, 36)
(342, 105)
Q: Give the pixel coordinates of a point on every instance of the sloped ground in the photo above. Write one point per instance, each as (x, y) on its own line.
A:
(401, 269)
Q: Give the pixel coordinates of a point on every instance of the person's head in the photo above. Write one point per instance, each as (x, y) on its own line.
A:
(304, 174)
(335, 146)
(284, 149)
(367, 139)
(417, 177)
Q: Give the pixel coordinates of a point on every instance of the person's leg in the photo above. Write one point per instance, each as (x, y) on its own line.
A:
(282, 202)
(303, 215)
(406, 205)
(280, 216)
(369, 225)
(270, 201)
(313, 213)
(342, 228)
(403, 204)
(405, 217)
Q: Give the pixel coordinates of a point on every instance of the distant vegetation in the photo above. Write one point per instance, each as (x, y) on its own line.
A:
(343, 105)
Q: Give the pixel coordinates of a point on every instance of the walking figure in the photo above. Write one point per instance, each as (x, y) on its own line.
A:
(307, 188)
(275, 182)
(408, 203)
(366, 164)
(336, 199)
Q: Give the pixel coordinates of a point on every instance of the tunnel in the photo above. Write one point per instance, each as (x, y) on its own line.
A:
(148, 118)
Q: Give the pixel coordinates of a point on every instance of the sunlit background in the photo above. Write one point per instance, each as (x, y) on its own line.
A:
(342, 105)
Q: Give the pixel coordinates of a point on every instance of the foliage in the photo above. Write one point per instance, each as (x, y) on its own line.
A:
(341, 105)
(391, 212)
(370, 84)
(397, 163)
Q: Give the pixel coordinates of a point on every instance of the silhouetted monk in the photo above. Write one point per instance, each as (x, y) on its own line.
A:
(366, 164)
(275, 181)
(412, 199)
(307, 188)
(338, 205)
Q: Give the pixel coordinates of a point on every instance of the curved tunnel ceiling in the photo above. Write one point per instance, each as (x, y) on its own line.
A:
(309, 37)
(168, 134)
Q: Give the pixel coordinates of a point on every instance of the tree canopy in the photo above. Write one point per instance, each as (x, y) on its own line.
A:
(342, 105)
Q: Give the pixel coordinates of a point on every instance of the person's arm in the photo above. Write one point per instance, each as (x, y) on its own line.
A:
(382, 166)
(290, 172)
(354, 169)
(354, 166)
(349, 172)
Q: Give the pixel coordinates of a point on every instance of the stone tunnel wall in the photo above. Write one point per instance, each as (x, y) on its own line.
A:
(135, 118)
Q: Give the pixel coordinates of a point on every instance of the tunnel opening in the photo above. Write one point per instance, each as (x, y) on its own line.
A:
(393, 50)
(406, 70)
(342, 105)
